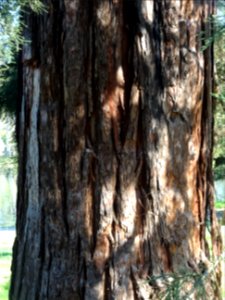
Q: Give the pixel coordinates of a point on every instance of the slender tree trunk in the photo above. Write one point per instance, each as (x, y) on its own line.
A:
(115, 144)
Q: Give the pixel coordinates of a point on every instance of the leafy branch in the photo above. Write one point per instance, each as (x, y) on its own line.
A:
(183, 285)
(11, 39)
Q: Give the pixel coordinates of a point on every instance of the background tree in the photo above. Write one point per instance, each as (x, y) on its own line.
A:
(115, 144)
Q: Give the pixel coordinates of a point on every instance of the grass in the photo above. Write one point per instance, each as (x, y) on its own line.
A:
(219, 204)
(6, 242)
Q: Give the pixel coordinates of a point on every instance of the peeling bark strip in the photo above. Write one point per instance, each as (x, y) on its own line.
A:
(115, 149)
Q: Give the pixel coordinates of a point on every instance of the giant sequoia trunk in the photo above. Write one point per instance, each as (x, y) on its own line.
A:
(115, 143)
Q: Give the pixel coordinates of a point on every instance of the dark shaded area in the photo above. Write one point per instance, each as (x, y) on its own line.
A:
(9, 89)
(219, 161)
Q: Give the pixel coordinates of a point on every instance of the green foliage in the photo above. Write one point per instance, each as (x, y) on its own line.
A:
(186, 284)
(219, 204)
(11, 32)
(6, 242)
(217, 23)
(35, 5)
(219, 115)
(219, 139)
(9, 90)
(8, 165)
(181, 286)
(11, 26)
(4, 290)
(11, 38)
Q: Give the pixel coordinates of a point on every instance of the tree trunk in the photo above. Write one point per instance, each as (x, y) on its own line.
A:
(115, 145)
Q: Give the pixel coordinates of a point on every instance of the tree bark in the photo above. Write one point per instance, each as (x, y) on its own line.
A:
(115, 144)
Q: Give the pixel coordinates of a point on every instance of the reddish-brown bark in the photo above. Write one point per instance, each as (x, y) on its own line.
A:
(115, 149)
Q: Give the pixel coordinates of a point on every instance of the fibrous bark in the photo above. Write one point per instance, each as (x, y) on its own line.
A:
(115, 143)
